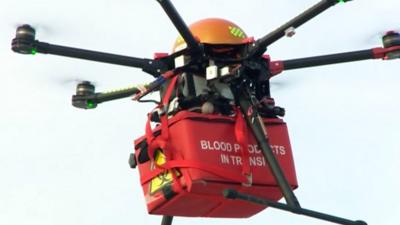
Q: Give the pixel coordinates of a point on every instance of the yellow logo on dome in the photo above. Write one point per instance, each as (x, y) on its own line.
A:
(236, 32)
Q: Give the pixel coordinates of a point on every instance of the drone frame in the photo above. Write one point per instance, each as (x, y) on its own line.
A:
(163, 68)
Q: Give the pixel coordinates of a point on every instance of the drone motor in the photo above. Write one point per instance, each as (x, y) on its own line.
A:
(392, 39)
(85, 88)
(84, 91)
(26, 32)
(24, 39)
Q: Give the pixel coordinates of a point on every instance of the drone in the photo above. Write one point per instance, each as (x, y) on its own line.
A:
(216, 144)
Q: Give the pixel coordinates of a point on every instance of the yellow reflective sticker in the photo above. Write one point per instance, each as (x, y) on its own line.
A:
(162, 179)
(237, 32)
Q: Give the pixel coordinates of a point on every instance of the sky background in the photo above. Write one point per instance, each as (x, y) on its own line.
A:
(61, 165)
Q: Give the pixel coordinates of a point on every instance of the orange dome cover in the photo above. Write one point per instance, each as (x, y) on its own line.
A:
(214, 31)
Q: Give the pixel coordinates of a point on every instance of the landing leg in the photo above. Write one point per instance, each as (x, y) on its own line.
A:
(167, 220)
(247, 105)
(247, 102)
(232, 194)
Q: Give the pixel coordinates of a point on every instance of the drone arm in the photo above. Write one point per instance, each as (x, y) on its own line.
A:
(327, 59)
(92, 100)
(116, 94)
(27, 45)
(179, 24)
(261, 44)
(153, 67)
(277, 67)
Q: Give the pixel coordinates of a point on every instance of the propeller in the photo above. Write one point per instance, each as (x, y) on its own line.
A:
(40, 28)
(73, 81)
(69, 84)
(279, 85)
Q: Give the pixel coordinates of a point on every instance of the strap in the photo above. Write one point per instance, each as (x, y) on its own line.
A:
(162, 141)
(215, 170)
(241, 134)
(171, 86)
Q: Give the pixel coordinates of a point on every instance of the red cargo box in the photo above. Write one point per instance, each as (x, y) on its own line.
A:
(204, 158)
